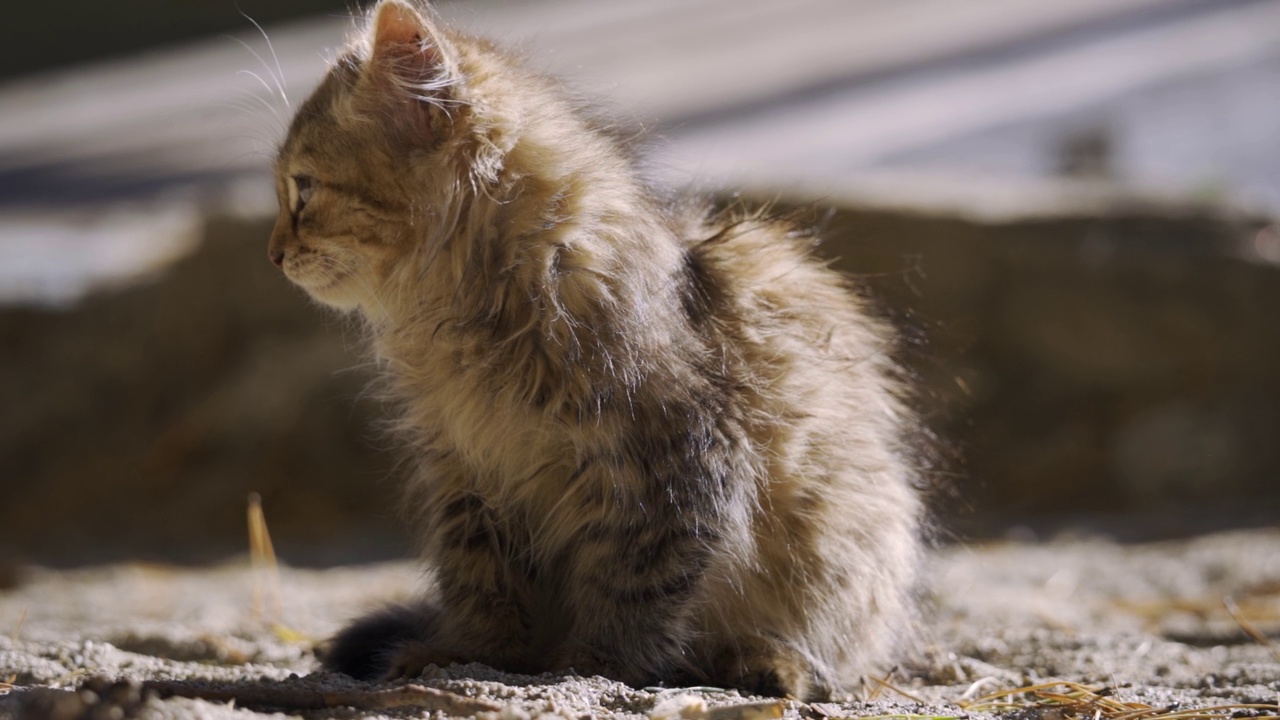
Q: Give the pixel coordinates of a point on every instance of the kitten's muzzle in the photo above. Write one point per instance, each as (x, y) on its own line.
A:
(280, 239)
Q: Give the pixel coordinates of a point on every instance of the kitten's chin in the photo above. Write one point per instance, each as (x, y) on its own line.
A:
(334, 296)
(345, 303)
(330, 291)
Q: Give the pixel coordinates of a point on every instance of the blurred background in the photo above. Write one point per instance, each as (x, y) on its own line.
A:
(1068, 207)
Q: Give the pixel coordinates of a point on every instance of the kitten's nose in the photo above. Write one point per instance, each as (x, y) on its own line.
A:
(277, 257)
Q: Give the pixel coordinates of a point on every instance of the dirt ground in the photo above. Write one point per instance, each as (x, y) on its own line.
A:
(1174, 625)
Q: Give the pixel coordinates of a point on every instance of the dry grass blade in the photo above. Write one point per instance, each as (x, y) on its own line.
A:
(17, 627)
(1080, 701)
(884, 684)
(990, 698)
(1137, 714)
(976, 687)
(1248, 627)
(262, 560)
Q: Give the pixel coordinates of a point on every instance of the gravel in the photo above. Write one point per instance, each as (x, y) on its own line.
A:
(1182, 624)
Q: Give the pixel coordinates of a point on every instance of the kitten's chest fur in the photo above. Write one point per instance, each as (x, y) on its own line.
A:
(520, 460)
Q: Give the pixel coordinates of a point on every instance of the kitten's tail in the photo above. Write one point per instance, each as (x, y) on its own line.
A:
(365, 648)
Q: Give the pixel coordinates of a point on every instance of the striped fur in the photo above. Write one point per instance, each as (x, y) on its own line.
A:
(650, 440)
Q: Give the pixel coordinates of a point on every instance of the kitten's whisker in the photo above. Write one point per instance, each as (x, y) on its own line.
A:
(262, 102)
(246, 105)
(279, 89)
(261, 154)
(258, 77)
(280, 79)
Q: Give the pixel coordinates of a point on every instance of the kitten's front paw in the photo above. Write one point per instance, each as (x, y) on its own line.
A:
(412, 658)
(776, 674)
(775, 681)
(577, 657)
(585, 661)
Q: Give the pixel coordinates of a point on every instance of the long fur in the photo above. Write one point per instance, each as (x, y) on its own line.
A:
(651, 439)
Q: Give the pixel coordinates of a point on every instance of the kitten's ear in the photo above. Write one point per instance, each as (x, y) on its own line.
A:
(406, 42)
(411, 64)
(397, 24)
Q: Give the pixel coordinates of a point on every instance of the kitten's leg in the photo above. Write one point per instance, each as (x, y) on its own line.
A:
(484, 596)
(768, 667)
(631, 603)
(639, 628)
(639, 574)
(635, 570)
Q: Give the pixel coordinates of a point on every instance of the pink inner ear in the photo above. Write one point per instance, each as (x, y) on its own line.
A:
(397, 29)
(399, 51)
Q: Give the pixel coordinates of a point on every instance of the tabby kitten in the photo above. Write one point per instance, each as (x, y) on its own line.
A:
(652, 441)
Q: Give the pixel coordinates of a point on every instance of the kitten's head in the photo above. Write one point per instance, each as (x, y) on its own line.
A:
(376, 159)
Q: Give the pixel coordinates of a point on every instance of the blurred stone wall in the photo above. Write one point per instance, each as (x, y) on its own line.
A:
(136, 424)
(1076, 365)
(1117, 370)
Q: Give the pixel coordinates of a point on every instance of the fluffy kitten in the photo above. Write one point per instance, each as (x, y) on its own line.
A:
(653, 441)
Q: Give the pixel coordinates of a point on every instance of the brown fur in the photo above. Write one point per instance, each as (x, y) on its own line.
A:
(652, 441)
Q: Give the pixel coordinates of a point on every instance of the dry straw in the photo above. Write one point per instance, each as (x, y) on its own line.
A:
(1073, 701)
(262, 560)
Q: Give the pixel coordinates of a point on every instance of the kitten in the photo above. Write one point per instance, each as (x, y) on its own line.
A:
(652, 441)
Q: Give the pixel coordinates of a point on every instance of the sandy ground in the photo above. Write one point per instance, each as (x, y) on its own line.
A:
(1150, 622)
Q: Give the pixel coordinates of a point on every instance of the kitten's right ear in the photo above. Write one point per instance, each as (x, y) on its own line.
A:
(409, 51)
(410, 74)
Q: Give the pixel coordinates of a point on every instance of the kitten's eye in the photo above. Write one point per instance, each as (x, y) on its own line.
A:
(304, 186)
